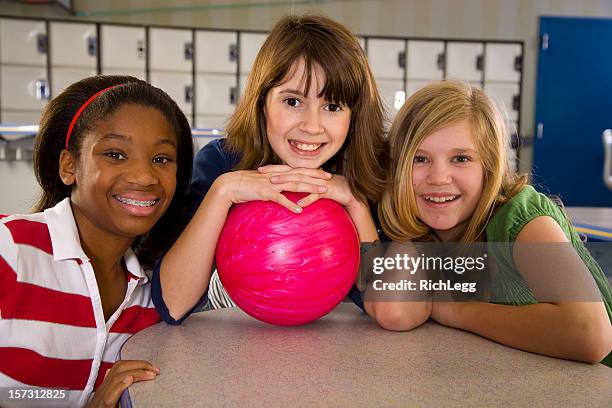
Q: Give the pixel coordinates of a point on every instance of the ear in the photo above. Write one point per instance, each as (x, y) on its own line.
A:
(67, 167)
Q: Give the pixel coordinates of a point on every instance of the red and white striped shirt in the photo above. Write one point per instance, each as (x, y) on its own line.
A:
(52, 328)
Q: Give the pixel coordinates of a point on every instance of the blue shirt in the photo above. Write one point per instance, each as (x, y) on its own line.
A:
(210, 162)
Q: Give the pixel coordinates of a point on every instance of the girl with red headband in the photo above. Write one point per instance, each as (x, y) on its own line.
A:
(113, 157)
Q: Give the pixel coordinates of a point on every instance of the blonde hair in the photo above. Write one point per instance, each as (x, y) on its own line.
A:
(348, 80)
(432, 108)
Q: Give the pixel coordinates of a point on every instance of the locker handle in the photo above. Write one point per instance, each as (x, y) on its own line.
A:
(233, 52)
(516, 102)
(440, 60)
(92, 46)
(42, 90)
(518, 63)
(188, 51)
(140, 49)
(188, 93)
(401, 59)
(479, 62)
(232, 95)
(42, 43)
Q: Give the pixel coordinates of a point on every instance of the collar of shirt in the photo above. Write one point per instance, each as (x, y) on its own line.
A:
(67, 245)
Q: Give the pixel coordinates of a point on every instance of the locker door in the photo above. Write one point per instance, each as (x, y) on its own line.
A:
(250, 43)
(216, 94)
(140, 74)
(503, 62)
(170, 50)
(425, 60)
(19, 118)
(122, 47)
(464, 61)
(23, 88)
(211, 122)
(387, 58)
(62, 77)
(73, 45)
(177, 85)
(23, 42)
(393, 95)
(505, 96)
(216, 51)
(362, 42)
(414, 85)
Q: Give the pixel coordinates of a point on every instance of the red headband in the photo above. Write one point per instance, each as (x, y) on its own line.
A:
(81, 109)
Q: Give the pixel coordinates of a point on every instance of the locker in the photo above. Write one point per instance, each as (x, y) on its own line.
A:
(242, 82)
(464, 61)
(140, 74)
(73, 45)
(414, 85)
(211, 122)
(503, 62)
(425, 60)
(24, 189)
(177, 85)
(23, 88)
(62, 77)
(393, 95)
(170, 49)
(387, 58)
(362, 42)
(216, 52)
(23, 42)
(506, 97)
(19, 117)
(250, 43)
(216, 94)
(123, 47)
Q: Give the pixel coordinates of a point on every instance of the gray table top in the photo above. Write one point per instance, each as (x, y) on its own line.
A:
(225, 358)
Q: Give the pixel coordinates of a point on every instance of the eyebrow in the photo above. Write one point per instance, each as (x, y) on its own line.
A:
(456, 150)
(292, 91)
(125, 138)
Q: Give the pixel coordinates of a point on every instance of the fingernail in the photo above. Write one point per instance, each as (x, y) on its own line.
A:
(322, 189)
(328, 175)
(274, 179)
(300, 203)
(298, 209)
(128, 380)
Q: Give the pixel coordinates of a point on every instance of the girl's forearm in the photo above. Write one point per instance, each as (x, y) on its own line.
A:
(364, 224)
(186, 268)
(576, 331)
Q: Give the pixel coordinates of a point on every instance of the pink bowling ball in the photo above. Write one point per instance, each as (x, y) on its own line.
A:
(288, 269)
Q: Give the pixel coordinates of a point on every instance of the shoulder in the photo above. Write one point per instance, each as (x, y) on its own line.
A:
(215, 153)
(526, 206)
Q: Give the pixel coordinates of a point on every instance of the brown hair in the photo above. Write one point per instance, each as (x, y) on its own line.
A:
(348, 81)
(430, 109)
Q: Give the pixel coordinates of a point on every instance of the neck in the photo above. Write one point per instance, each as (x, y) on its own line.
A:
(104, 249)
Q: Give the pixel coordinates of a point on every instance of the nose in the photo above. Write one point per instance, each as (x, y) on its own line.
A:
(141, 172)
(311, 121)
(439, 174)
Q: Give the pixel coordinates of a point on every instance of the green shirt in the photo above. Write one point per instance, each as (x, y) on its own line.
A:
(506, 224)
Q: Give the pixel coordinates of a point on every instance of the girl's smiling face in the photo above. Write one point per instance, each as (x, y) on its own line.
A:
(448, 179)
(304, 130)
(125, 176)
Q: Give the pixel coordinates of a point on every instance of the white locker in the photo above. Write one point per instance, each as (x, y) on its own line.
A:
(73, 45)
(502, 62)
(19, 118)
(23, 42)
(425, 60)
(177, 85)
(122, 47)
(170, 49)
(250, 43)
(62, 77)
(23, 88)
(362, 42)
(393, 95)
(387, 58)
(140, 74)
(505, 96)
(216, 51)
(211, 122)
(24, 190)
(414, 85)
(216, 94)
(464, 61)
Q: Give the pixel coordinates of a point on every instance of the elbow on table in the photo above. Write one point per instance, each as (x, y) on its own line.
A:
(597, 343)
(401, 316)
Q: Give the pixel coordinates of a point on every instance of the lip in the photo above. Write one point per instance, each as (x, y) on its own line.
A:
(433, 204)
(306, 153)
